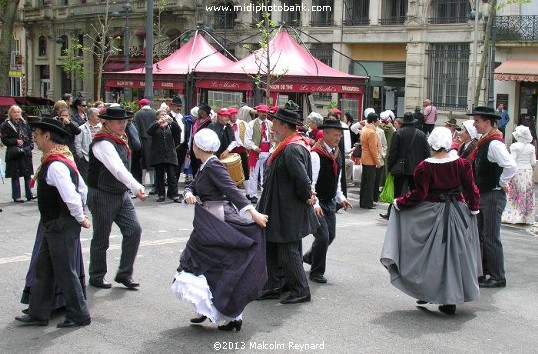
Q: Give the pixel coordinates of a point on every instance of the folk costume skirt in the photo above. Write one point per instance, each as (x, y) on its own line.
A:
(429, 264)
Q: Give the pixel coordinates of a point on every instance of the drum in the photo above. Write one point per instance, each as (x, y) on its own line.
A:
(234, 167)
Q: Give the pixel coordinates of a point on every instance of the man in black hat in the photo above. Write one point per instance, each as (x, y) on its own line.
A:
(494, 167)
(176, 107)
(109, 182)
(287, 199)
(201, 122)
(143, 119)
(407, 149)
(61, 196)
(326, 172)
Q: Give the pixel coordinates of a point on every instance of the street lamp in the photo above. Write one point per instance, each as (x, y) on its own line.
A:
(126, 50)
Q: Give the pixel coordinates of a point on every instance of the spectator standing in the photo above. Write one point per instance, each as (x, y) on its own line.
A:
(370, 159)
(505, 118)
(419, 117)
(79, 111)
(430, 116)
(143, 119)
(84, 139)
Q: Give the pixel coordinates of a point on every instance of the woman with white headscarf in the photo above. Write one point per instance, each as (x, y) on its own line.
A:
(222, 267)
(520, 197)
(431, 247)
(469, 138)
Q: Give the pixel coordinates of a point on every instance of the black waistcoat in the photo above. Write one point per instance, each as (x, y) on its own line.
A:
(50, 203)
(99, 176)
(487, 173)
(327, 182)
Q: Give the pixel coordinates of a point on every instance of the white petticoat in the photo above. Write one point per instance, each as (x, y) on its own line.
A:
(195, 289)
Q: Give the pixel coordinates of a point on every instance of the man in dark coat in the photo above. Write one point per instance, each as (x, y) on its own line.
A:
(143, 119)
(224, 132)
(411, 143)
(287, 199)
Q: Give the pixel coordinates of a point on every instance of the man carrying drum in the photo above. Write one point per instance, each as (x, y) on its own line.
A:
(239, 128)
(257, 139)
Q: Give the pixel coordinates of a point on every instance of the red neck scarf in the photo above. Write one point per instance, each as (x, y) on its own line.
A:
(294, 138)
(320, 149)
(494, 134)
(120, 140)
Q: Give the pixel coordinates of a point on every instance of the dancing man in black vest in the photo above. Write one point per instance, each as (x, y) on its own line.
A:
(326, 172)
(494, 167)
(61, 196)
(109, 182)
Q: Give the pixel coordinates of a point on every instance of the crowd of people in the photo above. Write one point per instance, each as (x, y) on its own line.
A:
(450, 187)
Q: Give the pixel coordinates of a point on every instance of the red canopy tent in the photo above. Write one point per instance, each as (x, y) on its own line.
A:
(299, 71)
(171, 72)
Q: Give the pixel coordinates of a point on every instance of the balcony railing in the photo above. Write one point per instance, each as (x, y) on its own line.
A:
(361, 21)
(393, 20)
(517, 28)
(322, 23)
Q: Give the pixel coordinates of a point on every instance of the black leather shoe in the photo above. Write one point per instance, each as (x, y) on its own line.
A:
(100, 283)
(31, 321)
(295, 299)
(493, 283)
(198, 319)
(421, 302)
(177, 200)
(18, 200)
(448, 309)
(231, 326)
(153, 191)
(32, 197)
(318, 278)
(384, 216)
(270, 294)
(127, 282)
(69, 323)
(160, 199)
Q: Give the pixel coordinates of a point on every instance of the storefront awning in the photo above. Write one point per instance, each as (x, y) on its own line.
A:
(517, 70)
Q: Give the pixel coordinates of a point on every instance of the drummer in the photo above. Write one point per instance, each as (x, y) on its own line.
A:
(238, 146)
(224, 132)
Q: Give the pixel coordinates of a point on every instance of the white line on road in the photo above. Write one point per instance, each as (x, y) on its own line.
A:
(165, 241)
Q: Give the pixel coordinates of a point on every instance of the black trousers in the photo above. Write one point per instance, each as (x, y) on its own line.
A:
(324, 236)
(57, 260)
(377, 181)
(428, 128)
(285, 260)
(181, 152)
(367, 186)
(171, 178)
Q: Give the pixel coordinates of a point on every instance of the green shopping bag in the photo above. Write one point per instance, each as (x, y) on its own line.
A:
(387, 195)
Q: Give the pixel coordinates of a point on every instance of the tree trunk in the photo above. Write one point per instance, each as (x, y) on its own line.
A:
(9, 11)
(485, 51)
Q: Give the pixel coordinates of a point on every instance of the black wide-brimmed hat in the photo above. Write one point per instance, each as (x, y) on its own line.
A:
(332, 123)
(287, 116)
(177, 101)
(484, 111)
(51, 125)
(204, 107)
(408, 118)
(116, 113)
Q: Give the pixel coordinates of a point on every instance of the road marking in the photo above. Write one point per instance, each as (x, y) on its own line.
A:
(165, 241)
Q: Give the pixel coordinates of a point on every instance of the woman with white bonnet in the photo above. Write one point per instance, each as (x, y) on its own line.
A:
(222, 267)
(431, 247)
(520, 197)
(469, 138)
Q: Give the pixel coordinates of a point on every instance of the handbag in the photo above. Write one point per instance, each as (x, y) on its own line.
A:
(399, 168)
(387, 195)
(14, 152)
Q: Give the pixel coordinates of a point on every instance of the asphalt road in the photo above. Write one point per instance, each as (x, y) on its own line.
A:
(358, 311)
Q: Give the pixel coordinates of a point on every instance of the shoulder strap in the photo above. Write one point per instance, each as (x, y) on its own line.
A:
(412, 140)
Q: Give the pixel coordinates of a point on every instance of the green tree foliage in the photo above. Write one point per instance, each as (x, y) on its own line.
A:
(8, 10)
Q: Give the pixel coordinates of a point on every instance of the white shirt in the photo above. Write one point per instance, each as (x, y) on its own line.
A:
(250, 131)
(316, 165)
(524, 155)
(59, 176)
(347, 138)
(238, 142)
(105, 152)
(498, 153)
(179, 120)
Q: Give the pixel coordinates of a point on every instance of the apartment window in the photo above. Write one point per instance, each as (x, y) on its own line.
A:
(65, 44)
(394, 12)
(225, 17)
(356, 12)
(257, 16)
(81, 42)
(42, 46)
(324, 53)
(448, 75)
(293, 15)
(322, 13)
(449, 11)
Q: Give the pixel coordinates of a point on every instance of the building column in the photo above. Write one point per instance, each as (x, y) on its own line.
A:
(374, 12)
(415, 72)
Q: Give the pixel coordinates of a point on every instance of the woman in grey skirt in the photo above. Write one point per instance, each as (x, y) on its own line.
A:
(431, 247)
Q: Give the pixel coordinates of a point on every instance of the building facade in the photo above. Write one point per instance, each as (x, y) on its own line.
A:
(411, 49)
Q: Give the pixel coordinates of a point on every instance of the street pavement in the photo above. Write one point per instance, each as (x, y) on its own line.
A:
(358, 311)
